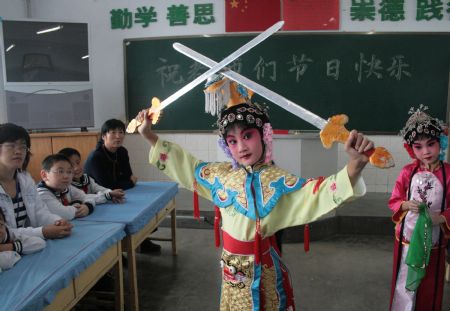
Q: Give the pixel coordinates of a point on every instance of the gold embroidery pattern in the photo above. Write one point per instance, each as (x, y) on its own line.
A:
(236, 287)
(236, 179)
(268, 280)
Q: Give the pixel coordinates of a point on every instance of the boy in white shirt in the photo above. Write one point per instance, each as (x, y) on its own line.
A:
(56, 190)
(87, 184)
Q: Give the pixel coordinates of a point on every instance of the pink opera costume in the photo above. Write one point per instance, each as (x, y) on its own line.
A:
(433, 189)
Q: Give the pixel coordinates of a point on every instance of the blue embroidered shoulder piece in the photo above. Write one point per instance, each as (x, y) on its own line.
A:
(234, 186)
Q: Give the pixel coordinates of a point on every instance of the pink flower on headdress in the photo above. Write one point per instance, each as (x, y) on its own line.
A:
(267, 138)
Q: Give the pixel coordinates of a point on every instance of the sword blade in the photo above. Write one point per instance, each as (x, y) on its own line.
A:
(218, 66)
(276, 98)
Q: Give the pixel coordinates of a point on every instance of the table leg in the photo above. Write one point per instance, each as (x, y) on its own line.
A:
(118, 277)
(173, 221)
(131, 258)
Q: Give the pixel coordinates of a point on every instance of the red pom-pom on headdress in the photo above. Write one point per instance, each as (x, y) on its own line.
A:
(409, 150)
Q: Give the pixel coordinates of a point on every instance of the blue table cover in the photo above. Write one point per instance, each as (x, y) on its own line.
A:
(35, 280)
(142, 203)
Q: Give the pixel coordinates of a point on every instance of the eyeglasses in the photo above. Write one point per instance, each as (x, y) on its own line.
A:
(14, 146)
(62, 172)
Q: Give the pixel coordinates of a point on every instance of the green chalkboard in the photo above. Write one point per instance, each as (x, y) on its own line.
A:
(374, 79)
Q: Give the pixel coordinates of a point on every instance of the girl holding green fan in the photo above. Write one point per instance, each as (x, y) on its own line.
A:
(420, 205)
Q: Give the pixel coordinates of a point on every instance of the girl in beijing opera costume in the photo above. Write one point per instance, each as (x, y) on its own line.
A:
(419, 203)
(254, 198)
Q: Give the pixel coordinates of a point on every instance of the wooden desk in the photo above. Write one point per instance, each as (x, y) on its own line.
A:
(67, 298)
(57, 277)
(131, 242)
(145, 207)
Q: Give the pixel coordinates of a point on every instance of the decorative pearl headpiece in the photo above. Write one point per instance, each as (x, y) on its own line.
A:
(420, 123)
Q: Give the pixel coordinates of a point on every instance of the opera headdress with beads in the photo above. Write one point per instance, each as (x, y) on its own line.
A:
(231, 102)
(421, 124)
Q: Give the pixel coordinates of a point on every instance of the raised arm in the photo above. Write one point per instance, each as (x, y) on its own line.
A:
(145, 129)
(355, 146)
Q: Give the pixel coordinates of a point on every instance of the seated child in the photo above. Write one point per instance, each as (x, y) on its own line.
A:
(11, 248)
(86, 183)
(56, 190)
(24, 211)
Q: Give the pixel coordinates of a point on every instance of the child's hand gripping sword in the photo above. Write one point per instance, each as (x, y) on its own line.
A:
(158, 106)
(331, 130)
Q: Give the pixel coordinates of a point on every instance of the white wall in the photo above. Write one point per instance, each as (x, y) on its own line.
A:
(13, 8)
(108, 80)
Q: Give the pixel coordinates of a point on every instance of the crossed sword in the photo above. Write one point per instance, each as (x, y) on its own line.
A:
(331, 130)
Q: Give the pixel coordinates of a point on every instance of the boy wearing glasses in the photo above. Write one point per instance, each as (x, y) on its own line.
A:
(86, 183)
(56, 190)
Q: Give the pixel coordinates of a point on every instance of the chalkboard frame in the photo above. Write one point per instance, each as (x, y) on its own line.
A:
(443, 114)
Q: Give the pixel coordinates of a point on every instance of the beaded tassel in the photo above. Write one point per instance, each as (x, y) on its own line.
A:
(217, 96)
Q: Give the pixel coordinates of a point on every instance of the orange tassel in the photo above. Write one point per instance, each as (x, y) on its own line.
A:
(196, 205)
(217, 218)
(306, 238)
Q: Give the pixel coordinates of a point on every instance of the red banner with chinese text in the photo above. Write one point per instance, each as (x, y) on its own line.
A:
(311, 14)
(251, 15)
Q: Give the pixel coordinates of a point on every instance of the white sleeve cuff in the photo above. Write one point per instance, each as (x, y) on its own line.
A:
(359, 188)
(8, 259)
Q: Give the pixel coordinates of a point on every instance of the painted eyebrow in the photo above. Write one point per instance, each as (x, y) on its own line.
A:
(248, 130)
(427, 141)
